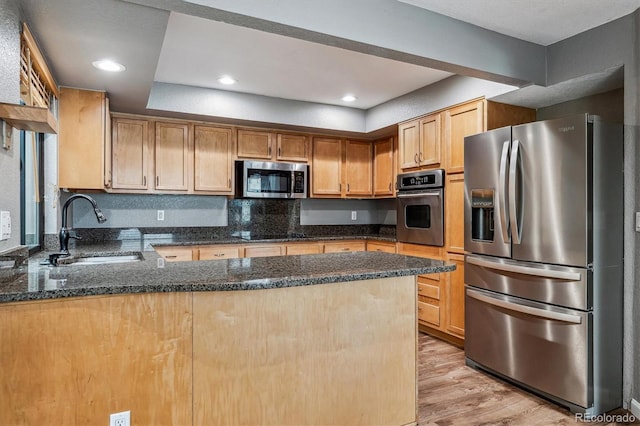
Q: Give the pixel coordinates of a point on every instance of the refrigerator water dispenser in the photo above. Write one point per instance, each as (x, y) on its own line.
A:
(482, 207)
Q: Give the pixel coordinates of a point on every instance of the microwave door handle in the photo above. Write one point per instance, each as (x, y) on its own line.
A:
(516, 231)
(502, 192)
(527, 310)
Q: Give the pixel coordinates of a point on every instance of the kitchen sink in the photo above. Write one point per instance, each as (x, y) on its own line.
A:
(105, 260)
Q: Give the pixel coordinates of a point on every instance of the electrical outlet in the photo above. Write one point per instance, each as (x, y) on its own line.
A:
(354, 215)
(120, 419)
(160, 214)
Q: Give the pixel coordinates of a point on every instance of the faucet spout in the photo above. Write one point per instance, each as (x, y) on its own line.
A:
(65, 233)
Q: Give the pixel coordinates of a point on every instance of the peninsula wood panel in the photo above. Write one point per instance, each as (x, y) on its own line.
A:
(76, 361)
(342, 353)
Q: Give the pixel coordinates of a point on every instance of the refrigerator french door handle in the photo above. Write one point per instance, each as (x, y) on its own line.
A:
(525, 270)
(502, 191)
(516, 307)
(516, 232)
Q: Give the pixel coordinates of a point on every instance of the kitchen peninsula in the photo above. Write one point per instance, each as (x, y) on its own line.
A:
(310, 339)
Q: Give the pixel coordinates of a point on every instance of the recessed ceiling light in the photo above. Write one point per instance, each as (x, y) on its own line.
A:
(108, 65)
(349, 98)
(225, 79)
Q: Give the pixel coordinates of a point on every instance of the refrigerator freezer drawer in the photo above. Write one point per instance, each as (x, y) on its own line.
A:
(546, 348)
(556, 285)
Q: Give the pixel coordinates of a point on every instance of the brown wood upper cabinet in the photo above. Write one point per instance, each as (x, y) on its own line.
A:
(461, 121)
(256, 144)
(213, 159)
(341, 169)
(383, 168)
(130, 153)
(419, 142)
(84, 160)
(172, 156)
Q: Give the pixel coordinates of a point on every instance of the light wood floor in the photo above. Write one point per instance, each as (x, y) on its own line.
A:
(450, 393)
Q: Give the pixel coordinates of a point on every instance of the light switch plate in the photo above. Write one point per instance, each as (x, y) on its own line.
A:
(6, 131)
(637, 221)
(5, 225)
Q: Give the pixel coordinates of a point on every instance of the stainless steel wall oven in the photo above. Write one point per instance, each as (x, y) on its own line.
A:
(420, 207)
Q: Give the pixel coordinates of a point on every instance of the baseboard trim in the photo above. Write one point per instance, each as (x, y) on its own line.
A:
(634, 407)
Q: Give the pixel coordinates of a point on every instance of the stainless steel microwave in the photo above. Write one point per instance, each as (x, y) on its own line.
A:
(268, 179)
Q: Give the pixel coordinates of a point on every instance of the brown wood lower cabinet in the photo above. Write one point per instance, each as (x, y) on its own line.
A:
(221, 251)
(455, 296)
(176, 253)
(262, 250)
(382, 246)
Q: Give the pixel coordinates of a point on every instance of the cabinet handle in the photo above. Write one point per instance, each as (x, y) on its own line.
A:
(219, 255)
(415, 158)
(420, 157)
(229, 182)
(171, 256)
(157, 180)
(389, 187)
(345, 249)
(269, 151)
(279, 150)
(144, 181)
(347, 187)
(340, 187)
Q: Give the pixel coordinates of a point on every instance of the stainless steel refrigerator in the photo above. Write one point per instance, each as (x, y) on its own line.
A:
(543, 269)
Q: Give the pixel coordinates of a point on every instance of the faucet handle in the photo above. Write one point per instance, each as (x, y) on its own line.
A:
(74, 235)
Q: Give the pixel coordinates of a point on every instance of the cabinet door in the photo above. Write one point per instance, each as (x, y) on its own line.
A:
(81, 139)
(461, 121)
(213, 161)
(409, 145)
(454, 316)
(383, 170)
(172, 156)
(326, 170)
(130, 153)
(254, 144)
(454, 213)
(292, 148)
(430, 140)
(358, 168)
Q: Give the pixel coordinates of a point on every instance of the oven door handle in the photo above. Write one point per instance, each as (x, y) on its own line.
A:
(428, 194)
(525, 270)
(516, 307)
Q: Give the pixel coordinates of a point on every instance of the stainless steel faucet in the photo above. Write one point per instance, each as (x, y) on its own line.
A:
(65, 232)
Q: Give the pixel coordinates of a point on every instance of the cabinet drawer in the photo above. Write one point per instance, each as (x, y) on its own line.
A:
(344, 246)
(429, 313)
(262, 251)
(221, 252)
(303, 248)
(382, 247)
(430, 290)
(175, 254)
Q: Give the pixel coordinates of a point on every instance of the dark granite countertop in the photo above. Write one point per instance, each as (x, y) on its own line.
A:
(152, 274)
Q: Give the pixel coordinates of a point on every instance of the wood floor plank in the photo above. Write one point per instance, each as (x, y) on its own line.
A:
(450, 393)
